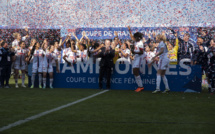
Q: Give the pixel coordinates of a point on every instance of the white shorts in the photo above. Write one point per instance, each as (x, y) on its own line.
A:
(36, 69)
(137, 62)
(163, 64)
(18, 67)
(48, 69)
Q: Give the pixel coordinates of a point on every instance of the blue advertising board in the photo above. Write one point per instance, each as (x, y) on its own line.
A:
(181, 77)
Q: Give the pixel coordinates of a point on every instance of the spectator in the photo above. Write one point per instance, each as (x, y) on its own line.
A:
(186, 49)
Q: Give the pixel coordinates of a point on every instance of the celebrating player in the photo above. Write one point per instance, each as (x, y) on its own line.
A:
(125, 52)
(37, 64)
(162, 64)
(138, 53)
(49, 56)
(20, 63)
(70, 57)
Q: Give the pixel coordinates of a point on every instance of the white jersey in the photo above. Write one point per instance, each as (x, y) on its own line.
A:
(20, 56)
(58, 55)
(149, 56)
(65, 51)
(165, 52)
(49, 58)
(71, 57)
(38, 58)
(15, 43)
(137, 47)
(82, 55)
(126, 51)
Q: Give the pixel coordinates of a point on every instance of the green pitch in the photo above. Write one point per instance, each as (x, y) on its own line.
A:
(114, 112)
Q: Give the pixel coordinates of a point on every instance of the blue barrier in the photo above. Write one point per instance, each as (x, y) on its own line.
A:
(181, 77)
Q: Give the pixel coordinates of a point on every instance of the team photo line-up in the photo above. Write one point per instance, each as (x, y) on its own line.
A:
(157, 49)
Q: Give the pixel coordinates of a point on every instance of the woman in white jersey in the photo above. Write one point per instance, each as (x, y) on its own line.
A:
(163, 63)
(125, 52)
(138, 53)
(82, 54)
(49, 57)
(20, 63)
(18, 38)
(37, 60)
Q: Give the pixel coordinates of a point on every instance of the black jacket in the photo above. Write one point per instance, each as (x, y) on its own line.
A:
(5, 53)
(184, 51)
(106, 58)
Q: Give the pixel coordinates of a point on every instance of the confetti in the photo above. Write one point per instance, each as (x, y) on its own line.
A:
(108, 13)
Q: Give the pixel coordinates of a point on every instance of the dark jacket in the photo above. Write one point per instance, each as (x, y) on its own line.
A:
(185, 51)
(106, 58)
(5, 53)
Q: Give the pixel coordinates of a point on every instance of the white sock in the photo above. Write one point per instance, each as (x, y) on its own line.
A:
(165, 81)
(139, 81)
(32, 79)
(23, 79)
(40, 79)
(44, 82)
(50, 81)
(158, 81)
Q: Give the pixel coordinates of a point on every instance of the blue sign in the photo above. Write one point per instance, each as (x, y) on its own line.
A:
(180, 77)
(123, 33)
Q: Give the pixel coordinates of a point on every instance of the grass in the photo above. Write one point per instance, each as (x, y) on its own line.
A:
(120, 112)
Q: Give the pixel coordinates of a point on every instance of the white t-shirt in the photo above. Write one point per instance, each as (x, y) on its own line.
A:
(38, 57)
(126, 51)
(137, 47)
(71, 57)
(165, 52)
(65, 51)
(20, 56)
(149, 56)
(15, 43)
(82, 55)
(49, 58)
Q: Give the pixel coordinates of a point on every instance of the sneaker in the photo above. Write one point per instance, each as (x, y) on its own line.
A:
(44, 87)
(1, 86)
(32, 86)
(51, 87)
(156, 91)
(40, 86)
(23, 86)
(166, 91)
(17, 86)
(139, 89)
(7, 86)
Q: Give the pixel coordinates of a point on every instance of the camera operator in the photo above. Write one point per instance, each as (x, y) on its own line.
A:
(6, 62)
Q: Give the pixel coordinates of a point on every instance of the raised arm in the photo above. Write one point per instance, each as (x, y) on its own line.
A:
(75, 36)
(88, 41)
(131, 35)
(61, 44)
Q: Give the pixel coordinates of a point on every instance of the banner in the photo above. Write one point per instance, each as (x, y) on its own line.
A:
(180, 77)
(123, 33)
